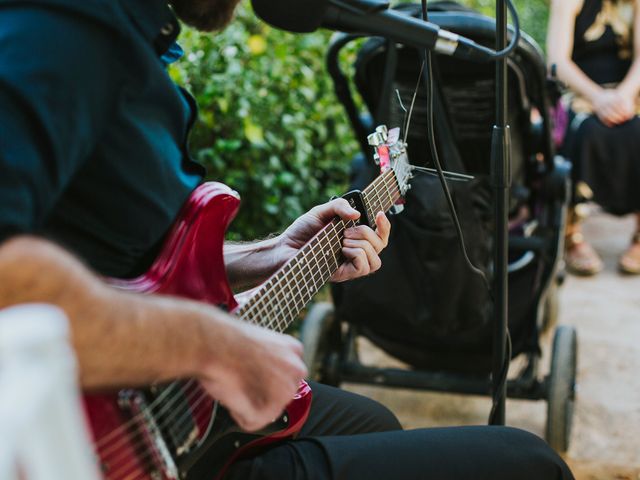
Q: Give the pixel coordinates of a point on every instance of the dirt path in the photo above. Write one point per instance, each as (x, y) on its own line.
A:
(606, 312)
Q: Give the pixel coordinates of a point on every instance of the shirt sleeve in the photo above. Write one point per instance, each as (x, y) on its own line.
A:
(59, 78)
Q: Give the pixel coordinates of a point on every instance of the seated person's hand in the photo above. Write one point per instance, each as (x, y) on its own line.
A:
(361, 245)
(613, 107)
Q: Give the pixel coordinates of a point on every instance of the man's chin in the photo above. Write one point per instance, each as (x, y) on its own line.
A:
(205, 15)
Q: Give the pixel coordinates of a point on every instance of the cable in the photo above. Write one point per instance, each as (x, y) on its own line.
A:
(454, 176)
(497, 397)
(514, 39)
(436, 160)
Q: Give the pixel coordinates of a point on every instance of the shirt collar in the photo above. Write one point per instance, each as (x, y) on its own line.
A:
(156, 21)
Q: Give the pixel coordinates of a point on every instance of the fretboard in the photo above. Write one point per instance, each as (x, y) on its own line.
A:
(281, 298)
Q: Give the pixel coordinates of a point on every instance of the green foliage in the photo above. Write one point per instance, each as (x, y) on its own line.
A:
(533, 14)
(269, 124)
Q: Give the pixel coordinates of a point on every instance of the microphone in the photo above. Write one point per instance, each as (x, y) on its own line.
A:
(368, 17)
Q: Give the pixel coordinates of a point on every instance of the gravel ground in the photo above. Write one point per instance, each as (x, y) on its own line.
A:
(606, 312)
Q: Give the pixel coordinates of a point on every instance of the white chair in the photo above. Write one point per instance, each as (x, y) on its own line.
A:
(42, 432)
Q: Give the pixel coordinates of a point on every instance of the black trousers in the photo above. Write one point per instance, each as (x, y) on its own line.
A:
(349, 436)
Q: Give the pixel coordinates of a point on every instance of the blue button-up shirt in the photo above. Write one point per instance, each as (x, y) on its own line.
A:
(93, 132)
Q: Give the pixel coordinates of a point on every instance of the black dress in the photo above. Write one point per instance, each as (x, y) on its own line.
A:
(607, 159)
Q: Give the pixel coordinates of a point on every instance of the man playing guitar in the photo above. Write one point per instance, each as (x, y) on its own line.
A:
(94, 169)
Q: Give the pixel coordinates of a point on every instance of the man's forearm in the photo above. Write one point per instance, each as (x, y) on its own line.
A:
(120, 338)
(249, 264)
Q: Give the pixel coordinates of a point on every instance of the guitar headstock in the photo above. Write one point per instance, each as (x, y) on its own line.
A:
(391, 153)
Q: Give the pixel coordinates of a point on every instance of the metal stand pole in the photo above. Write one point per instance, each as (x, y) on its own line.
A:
(501, 179)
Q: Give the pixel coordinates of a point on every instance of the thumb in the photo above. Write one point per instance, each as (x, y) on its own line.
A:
(341, 208)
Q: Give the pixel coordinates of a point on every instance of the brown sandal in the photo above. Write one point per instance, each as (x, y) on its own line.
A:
(629, 262)
(580, 257)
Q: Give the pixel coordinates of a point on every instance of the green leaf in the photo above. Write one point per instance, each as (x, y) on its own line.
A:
(253, 132)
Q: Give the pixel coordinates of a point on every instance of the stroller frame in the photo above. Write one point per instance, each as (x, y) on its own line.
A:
(322, 336)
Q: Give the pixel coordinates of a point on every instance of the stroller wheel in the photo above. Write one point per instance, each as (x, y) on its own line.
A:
(320, 337)
(561, 387)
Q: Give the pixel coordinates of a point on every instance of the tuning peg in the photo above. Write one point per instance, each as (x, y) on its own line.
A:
(382, 130)
(375, 139)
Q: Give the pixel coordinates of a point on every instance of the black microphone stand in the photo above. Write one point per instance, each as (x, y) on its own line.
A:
(501, 182)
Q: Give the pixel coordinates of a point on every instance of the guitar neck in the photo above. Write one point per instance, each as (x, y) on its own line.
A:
(281, 298)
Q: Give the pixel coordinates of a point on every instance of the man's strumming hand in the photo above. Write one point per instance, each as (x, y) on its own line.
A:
(361, 245)
(254, 373)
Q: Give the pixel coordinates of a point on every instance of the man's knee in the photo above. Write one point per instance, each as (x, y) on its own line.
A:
(379, 417)
(536, 458)
(338, 412)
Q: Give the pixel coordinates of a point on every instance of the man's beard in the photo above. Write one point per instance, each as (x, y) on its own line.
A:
(205, 15)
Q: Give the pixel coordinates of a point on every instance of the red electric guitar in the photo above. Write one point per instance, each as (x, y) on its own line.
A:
(176, 430)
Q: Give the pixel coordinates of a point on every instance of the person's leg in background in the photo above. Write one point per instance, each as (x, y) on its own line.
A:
(580, 257)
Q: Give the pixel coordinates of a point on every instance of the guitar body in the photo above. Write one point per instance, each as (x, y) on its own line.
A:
(176, 430)
(179, 431)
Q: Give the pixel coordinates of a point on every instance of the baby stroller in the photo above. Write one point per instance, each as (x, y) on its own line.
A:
(424, 307)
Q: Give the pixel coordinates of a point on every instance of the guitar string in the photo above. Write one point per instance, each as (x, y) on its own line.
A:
(314, 275)
(308, 267)
(115, 461)
(196, 412)
(309, 261)
(189, 397)
(376, 191)
(122, 462)
(323, 274)
(118, 468)
(382, 184)
(104, 440)
(110, 450)
(297, 271)
(296, 264)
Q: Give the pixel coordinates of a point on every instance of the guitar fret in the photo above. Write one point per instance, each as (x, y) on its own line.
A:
(287, 297)
(391, 201)
(378, 198)
(285, 294)
(276, 313)
(297, 297)
(372, 193)
(305, 277)
(314, 277)
(301, 297)
(269, 309)
(327, 252)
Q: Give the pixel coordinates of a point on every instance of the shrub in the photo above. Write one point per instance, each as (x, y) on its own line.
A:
(269, 124)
